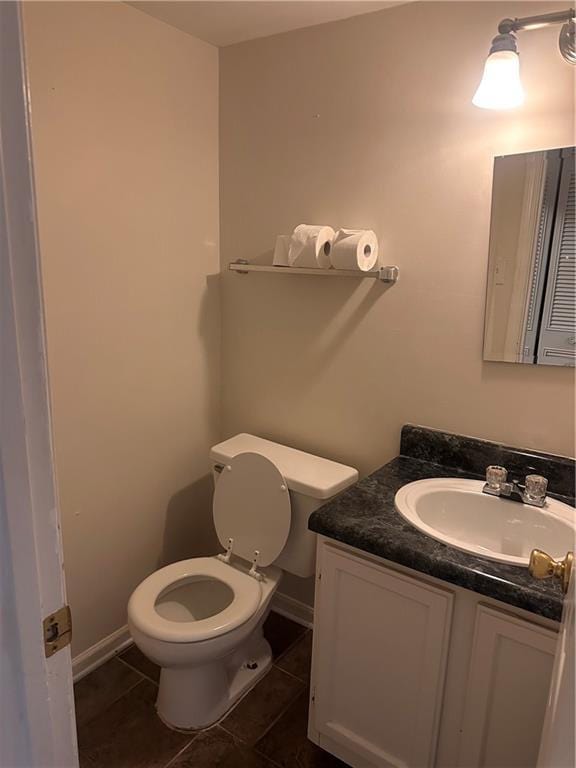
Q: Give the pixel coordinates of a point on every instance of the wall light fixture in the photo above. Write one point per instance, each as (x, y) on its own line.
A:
(501, 87)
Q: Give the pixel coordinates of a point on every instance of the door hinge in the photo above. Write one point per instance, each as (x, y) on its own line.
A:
(57, 630)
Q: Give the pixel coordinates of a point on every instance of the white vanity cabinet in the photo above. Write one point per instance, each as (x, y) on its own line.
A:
(409, 672)
(506, 692)
(379, 670)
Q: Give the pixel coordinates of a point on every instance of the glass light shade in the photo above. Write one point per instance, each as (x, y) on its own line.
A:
(500, 87)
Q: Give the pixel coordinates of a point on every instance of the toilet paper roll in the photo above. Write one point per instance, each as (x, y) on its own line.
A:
(310, 246)
(281, 251)
(354, 249)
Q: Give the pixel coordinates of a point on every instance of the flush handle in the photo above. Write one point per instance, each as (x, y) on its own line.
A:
(542, 566)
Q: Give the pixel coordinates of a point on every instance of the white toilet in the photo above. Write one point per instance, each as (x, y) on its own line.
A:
(201, 620)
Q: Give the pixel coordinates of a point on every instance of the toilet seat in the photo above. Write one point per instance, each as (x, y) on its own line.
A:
(246, 598)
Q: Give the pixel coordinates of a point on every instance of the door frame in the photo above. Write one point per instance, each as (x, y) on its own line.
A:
(28, 499)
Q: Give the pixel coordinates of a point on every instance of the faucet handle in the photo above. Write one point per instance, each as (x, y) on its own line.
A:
(495, 477)
(535, 489)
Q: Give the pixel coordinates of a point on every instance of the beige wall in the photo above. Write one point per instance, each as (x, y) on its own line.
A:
(365, 122)
(125, 127)
(368, 123)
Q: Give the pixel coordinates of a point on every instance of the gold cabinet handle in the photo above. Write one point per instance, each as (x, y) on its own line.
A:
(542, 566)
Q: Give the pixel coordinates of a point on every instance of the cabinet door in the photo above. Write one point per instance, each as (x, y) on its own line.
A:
(380, 653)
(507, 691)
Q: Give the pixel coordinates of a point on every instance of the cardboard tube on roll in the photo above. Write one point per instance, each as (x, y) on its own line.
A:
(310, 246)
(354, 249)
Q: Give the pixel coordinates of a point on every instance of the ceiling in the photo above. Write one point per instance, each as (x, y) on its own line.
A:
(225, 22)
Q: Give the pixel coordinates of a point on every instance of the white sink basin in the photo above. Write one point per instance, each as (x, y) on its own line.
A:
(456, 512)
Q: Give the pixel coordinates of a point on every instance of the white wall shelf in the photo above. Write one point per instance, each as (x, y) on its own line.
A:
(382, 274)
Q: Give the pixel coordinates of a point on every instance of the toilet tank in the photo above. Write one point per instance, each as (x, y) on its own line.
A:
(311, 480)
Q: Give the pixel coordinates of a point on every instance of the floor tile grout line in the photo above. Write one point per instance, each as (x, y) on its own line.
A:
(235, 735)
(292, 645)
(249, 747)
(111, 703)
(239, 701)
(130, 667)
(266, 758)
(292, 675)
(135, 669)
(271, 725)
(184, 748)
(292, 700)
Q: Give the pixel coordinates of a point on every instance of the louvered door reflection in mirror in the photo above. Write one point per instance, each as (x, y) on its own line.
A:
(531, 290)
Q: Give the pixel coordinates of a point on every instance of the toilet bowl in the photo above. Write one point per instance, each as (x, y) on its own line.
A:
(201, 619)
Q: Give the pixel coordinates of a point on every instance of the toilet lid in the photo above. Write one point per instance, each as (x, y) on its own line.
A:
(252, 506)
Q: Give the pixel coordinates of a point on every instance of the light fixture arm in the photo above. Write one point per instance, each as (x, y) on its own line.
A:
(566, 41)
(535, 22)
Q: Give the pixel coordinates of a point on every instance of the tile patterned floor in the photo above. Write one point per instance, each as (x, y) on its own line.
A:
(118, 726)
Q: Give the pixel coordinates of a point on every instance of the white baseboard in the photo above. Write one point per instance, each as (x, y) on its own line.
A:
(293, 609)
(93, 657)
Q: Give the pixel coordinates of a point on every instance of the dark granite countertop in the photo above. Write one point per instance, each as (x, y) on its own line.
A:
(364, 517)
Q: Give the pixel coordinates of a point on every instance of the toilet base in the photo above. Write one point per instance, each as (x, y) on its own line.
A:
(191, 699)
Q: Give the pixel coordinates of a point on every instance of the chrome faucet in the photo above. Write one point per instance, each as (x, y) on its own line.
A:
(533, 491)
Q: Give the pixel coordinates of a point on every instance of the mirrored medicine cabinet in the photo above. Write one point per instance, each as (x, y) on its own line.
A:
(531, 296)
